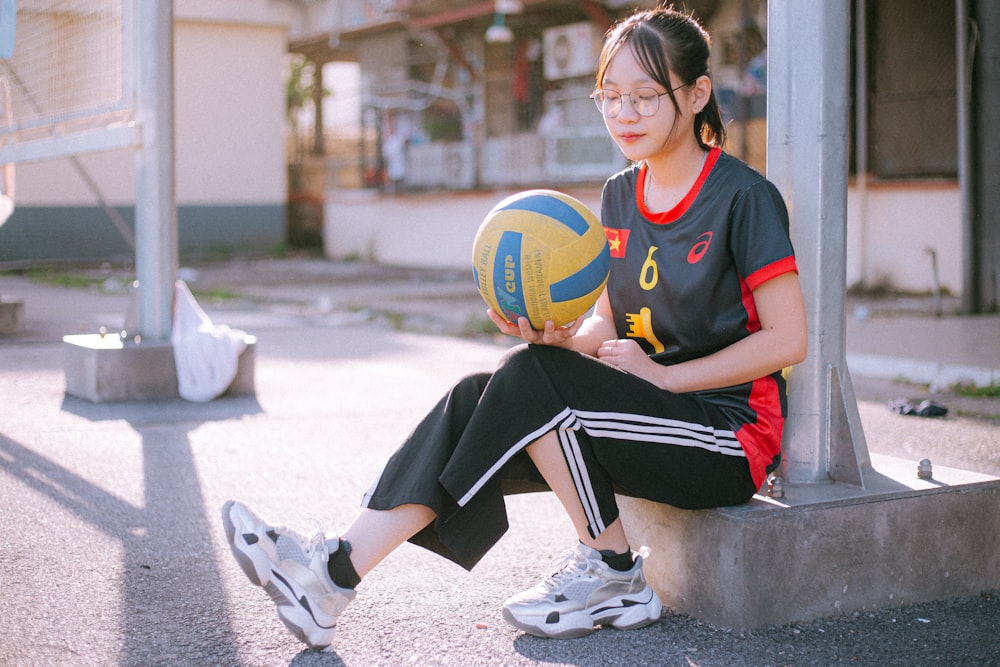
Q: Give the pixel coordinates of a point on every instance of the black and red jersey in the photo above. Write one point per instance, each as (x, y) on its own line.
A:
(682, 281)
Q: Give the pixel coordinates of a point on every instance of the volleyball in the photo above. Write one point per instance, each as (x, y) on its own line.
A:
(543, 255)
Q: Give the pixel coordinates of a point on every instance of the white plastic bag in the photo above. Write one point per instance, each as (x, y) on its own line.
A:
(206, 355)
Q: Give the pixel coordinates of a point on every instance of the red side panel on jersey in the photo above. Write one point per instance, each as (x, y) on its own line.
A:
(761, 440)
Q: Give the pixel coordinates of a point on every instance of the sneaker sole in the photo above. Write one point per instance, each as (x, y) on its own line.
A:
(624, 613)
(296, 613)
(296, 619)
(293, 607)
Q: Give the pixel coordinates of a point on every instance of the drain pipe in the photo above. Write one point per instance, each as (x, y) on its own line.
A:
(861, 132)
(937, 280)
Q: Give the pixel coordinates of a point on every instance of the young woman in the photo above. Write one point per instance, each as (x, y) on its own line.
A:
(670, 391)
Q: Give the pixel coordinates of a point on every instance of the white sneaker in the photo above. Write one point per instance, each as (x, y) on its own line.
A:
(581, 593)
(292, 569)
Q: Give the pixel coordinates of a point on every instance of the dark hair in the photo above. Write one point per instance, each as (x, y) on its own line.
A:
(665, 40)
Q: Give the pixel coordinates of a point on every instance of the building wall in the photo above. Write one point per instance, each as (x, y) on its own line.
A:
(230, 153)
(886, 247)
(434, 230)
(892, 227)
(230, 114)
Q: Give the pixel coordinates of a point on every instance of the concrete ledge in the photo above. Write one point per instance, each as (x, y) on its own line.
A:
(104, 369)
(11, 315)
(771, 562)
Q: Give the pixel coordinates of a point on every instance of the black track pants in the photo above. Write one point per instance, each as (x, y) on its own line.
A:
(618, 433)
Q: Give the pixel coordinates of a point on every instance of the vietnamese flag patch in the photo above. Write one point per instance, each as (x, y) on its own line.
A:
(617, 240)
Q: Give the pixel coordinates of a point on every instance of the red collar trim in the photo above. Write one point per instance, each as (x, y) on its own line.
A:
(684, 204)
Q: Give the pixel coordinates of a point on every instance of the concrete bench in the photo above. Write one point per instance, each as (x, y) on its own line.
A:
(825, 549)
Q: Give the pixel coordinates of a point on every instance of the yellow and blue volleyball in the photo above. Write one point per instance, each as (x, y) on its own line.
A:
(542, 255)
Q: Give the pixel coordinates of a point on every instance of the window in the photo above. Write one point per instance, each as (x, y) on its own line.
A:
(912, 117)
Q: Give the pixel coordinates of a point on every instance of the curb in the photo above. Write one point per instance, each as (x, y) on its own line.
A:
(918, 371)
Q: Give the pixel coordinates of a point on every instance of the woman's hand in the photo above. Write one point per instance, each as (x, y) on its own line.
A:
(780, 341)
(550, 335)
(626, 355)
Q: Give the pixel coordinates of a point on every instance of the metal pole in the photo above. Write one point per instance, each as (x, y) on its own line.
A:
(155, 207)
(807, 112)
(970, 260)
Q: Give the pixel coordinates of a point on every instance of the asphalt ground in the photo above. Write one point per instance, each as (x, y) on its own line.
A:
(113, 551)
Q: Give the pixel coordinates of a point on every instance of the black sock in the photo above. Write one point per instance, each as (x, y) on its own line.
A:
(621, 562)
(341, 568)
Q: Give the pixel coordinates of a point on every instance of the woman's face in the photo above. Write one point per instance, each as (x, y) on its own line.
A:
(643, 137)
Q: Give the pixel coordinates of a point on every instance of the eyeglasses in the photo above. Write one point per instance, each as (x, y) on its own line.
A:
(645, 101)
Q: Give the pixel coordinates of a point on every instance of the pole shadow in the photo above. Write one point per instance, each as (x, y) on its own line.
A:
(173, 604)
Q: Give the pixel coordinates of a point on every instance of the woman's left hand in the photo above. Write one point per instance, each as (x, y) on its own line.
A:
(625, 354)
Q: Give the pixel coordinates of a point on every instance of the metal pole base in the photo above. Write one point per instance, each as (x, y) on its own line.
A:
(103, 369)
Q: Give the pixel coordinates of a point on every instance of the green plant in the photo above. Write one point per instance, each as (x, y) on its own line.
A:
(299, 91)
(49, 276)
(279, 250)
(478, 325)
(218, 293)
(972, 390)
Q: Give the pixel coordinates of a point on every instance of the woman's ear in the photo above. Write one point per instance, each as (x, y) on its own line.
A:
(701, 92)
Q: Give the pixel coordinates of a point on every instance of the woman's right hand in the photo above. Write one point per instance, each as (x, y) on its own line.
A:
(550, 335)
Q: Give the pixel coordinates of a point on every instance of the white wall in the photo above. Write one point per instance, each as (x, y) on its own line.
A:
(432, 230)
(230, 113)
(56, 183)
(244, 12)
(436, 230)
(887, 238)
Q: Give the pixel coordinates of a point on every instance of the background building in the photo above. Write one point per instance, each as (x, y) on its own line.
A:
(457, 102)
(491, 95)
(229, 101)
